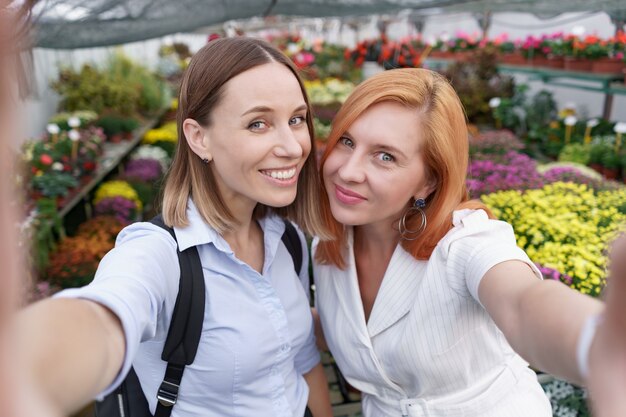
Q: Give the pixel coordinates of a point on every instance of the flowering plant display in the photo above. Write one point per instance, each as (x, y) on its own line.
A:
(512, 170)
(493, 142)
(550, 223)
(576, 173)
(121, 208)
(117, 188)
(72, 120)
(152, 152)
(142, 169)
(374, 50)
(76, 259)
(328, 91)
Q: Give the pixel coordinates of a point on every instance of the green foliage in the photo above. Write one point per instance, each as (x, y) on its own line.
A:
(540, 112)
(54, 184)
(575, 152)
(111, 124)
(611, 160)
(477, 81)
(510, 110)
(122, 87)
(167, 146)
(48, 229)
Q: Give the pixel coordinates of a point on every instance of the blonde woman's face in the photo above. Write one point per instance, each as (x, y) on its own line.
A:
(259, 139)
(377, 167)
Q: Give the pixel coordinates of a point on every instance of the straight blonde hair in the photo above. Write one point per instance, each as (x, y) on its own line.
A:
(201, 91)
(446, 152)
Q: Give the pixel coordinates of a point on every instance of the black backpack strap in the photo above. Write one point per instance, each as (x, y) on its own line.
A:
(185, 328)
(292, 242)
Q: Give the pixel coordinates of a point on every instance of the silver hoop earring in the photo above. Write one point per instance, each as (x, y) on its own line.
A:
(417, 207)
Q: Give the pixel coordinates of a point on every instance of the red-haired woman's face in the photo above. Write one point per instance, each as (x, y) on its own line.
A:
(377, 167)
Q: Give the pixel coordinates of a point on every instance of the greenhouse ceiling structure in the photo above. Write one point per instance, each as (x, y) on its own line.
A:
(68, 24)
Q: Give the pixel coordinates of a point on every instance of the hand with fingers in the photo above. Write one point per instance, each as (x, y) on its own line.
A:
(607, 356)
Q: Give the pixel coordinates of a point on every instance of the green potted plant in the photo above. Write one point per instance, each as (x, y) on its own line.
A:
(113, 127)
(610, 164)
(575, 152)
(128, 125)
(596, 155)
(54, 184)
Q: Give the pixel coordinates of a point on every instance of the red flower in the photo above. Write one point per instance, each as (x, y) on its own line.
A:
(45, 159)
(89, 166)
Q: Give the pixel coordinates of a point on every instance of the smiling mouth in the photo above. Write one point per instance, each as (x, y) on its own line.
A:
(281, 175)
(348, 197)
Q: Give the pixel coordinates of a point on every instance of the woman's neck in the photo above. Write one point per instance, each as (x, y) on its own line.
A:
(375, 239)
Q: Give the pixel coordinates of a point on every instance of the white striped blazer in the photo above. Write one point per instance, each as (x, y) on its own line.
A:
(429, 347)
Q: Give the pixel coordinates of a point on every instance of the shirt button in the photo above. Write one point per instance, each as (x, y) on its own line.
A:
(284, 348)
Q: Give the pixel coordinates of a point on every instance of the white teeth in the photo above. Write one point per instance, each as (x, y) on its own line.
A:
(281, 175)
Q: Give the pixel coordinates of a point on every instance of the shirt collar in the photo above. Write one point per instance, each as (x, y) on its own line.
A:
(198, 232)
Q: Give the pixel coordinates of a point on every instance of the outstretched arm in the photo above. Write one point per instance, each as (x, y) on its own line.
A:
(541, 320)
(69, 350)
(607, 357)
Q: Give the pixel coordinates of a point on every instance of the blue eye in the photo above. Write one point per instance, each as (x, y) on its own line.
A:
(386, 157)
(346, 141)
(257, 125)
(297, 120)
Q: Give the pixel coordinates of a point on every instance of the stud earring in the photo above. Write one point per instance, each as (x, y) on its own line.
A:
(205, 161)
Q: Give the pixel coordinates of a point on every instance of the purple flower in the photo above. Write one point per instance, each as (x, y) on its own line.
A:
(122, 208)
(571, 174)
(551, 273)
(511, 171)
(146, 170)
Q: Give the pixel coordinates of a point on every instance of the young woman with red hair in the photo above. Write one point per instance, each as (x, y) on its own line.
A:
(427, 304)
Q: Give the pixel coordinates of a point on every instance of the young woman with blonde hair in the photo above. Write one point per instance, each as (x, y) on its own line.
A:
(426, 302)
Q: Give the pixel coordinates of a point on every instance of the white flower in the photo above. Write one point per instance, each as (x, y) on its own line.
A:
(592, 122)
(73, 122)
(152, 152)
(57, 166)
(570, 121)
(620, 127)
(74, 135)
(445, 37)
(53, 129)
(495, 102)
(293, 48)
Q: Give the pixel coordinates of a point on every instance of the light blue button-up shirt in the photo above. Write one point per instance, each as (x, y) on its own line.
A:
(257, 338)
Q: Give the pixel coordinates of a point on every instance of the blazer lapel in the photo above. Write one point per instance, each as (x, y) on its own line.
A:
(398, 291)
(346, 284)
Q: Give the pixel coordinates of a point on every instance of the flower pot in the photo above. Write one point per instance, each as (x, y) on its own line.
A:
(608, 66)
(462, 56)
(540, 61)
(116, 138)
(513, 59)
(577, 64)
(556, 62)
(610, 173)
(596, 167)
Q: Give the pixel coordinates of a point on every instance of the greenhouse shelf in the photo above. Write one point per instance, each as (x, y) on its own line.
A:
(111, 158)
(603, 83)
